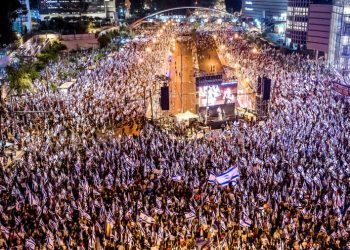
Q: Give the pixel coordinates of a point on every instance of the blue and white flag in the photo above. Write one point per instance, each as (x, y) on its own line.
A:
(230, 175)
(30, 243)
(146, 219)
(2, 188)
(190, 216)
(245, 221)
(158, 210)
(177, 178)
(212, 178)
(201, 243)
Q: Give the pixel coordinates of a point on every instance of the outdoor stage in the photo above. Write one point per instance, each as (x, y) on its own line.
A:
(199, 83)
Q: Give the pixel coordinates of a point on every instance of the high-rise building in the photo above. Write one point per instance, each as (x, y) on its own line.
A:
(319, 27)
(23, 23)
(297, 21)
(270, 9)
(123, 9)
(76, 7)
(339, 39)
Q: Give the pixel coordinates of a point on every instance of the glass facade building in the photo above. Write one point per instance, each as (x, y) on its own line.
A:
(297, 21)
(271, 9)
(71, 6)
(23, 23)
(339, 46)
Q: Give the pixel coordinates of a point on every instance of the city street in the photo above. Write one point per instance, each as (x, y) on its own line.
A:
(182, 78)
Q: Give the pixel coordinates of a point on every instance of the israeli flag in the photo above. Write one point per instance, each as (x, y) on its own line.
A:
(228, 176)
(190, 216)
(158, 211)
(177, 178)
(245, 221)
(212, 178)
(146, 219)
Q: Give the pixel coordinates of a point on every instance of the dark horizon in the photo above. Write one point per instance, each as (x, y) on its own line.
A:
(234, 5)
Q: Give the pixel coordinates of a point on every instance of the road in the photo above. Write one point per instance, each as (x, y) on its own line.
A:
(182, 78)
(208, 59)
(182, 72)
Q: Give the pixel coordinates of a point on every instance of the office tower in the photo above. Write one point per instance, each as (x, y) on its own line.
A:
(339, 38)
(76, 7)
(297, 23)
(270, 9)
(23, 23)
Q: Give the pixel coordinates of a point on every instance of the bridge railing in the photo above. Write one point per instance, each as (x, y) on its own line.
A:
(139, 21)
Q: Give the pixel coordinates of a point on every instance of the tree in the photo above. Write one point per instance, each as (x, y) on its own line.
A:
(19, 79)
(8, 12)
(104, 40)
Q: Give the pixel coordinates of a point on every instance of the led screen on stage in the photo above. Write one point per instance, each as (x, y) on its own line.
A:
(212, 95)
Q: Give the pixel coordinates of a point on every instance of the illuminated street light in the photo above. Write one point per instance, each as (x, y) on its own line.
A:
(140, 60)
(254, 50)
(148, 49)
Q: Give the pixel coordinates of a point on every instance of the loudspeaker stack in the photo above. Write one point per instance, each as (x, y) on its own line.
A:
(164, 98)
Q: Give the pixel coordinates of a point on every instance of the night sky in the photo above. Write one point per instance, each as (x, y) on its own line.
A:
(235, 5)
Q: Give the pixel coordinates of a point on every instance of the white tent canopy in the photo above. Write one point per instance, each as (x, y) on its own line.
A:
(185, 116)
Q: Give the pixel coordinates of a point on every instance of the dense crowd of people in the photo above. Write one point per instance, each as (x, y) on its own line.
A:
(80, 186)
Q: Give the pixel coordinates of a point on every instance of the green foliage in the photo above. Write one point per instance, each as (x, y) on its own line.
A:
(19, 79)
(62, 74)
(99, 56)
(51, 53)
(53, 87)
(104, 40)
(33, 73)
(22, 76)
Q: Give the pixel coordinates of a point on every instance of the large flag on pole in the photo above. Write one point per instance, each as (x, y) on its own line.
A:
(230, 175)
